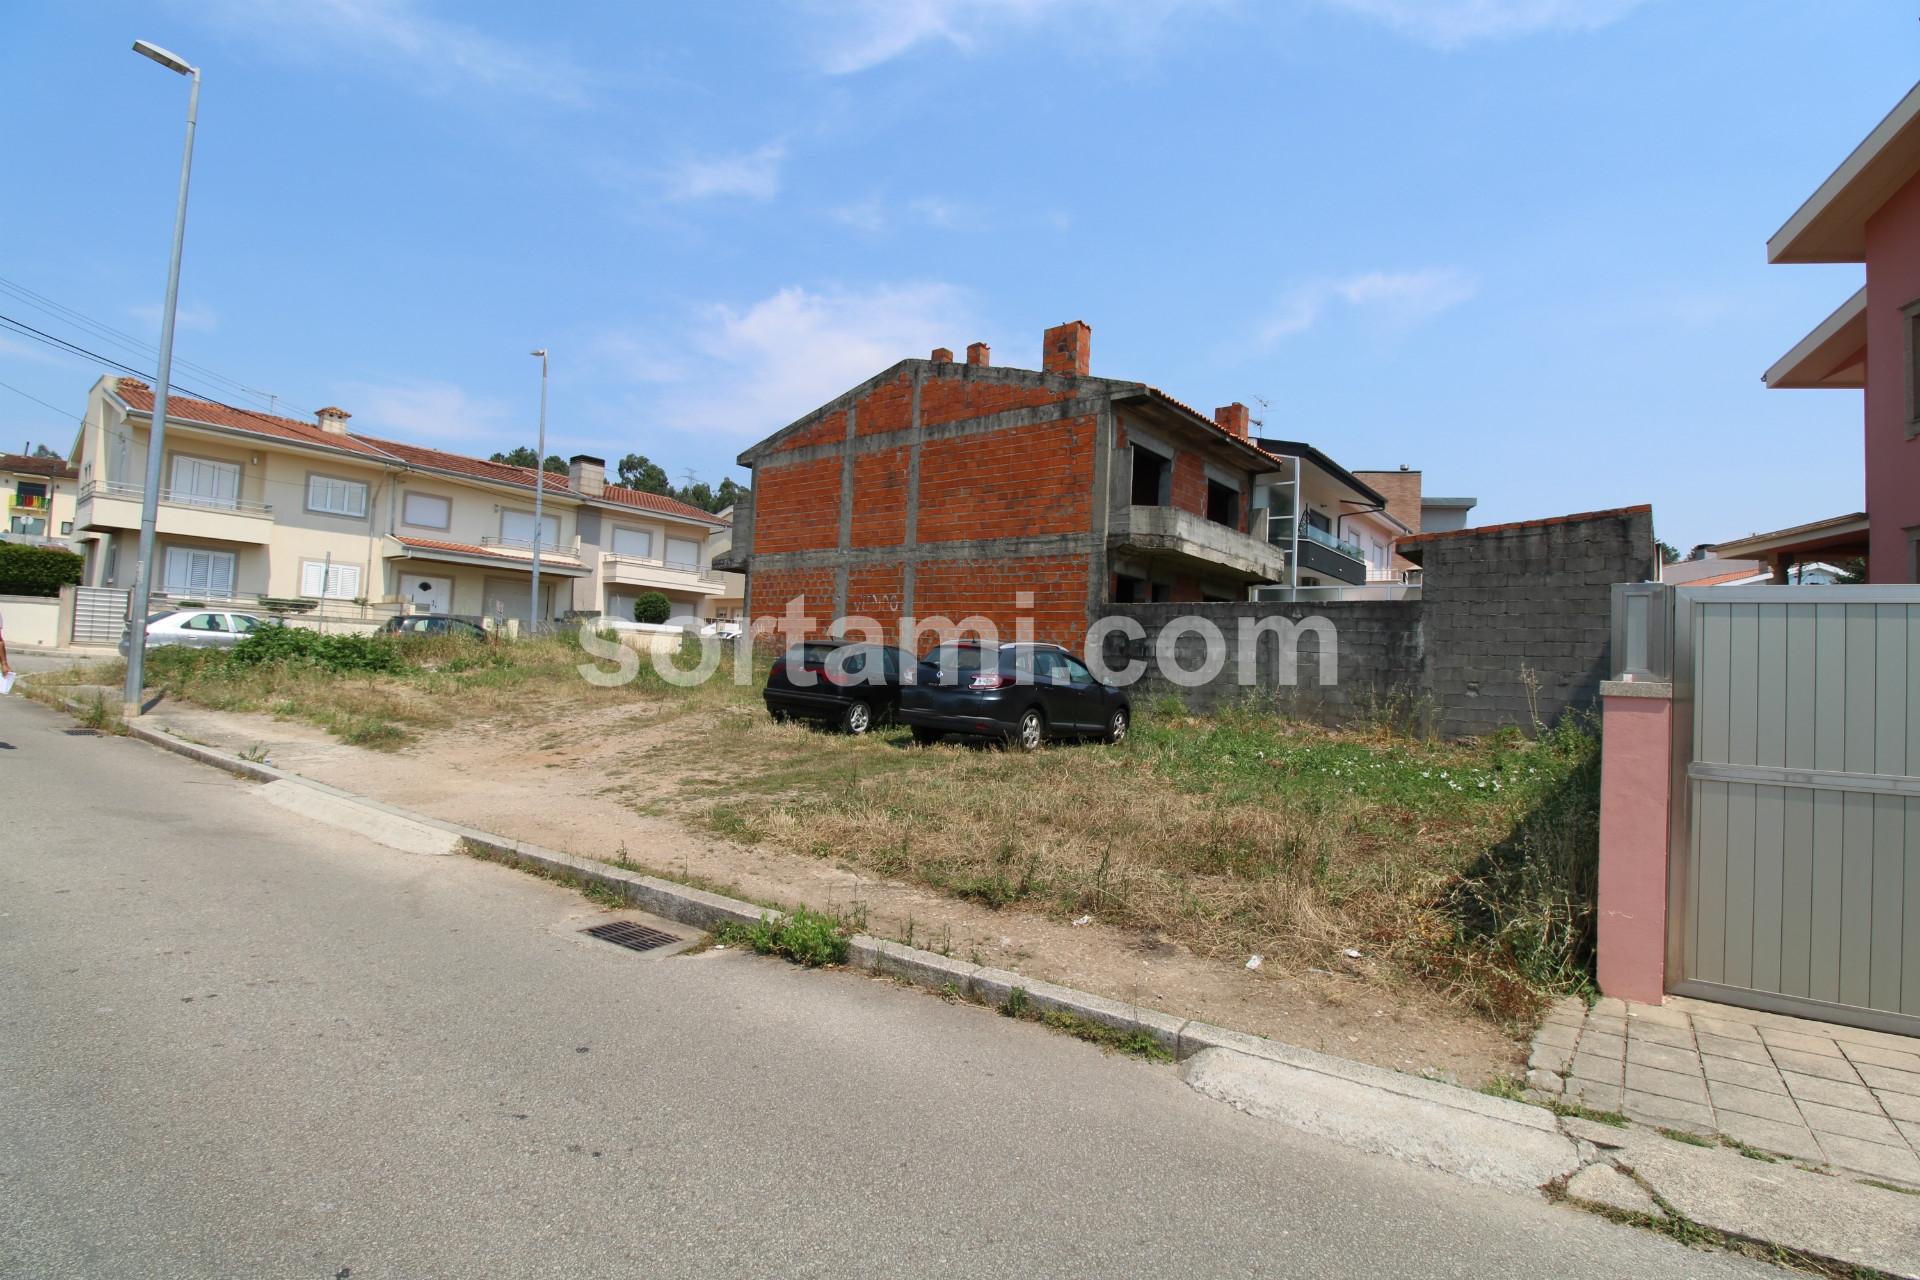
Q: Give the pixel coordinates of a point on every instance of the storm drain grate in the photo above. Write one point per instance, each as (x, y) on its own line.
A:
(634, 937)
(81, 733)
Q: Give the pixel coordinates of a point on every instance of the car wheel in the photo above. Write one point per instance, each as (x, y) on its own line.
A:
(1031, 731)
(857, 718)
(779, 717)
(1118, 724)
(924, 736)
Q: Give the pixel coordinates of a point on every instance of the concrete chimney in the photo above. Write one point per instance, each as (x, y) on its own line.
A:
(977, 353)
(332, 420)
(942, 355)
(1232, 419)
(1067, 348)
(587, 475)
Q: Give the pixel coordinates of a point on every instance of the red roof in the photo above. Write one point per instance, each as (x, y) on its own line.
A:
(139, 395)
(26, 464)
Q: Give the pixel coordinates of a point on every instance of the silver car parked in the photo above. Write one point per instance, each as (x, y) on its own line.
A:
(196, 629)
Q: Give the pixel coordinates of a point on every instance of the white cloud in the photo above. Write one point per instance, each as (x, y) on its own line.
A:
(875, 214)
(435, 53)
(1398, 298)
(1449, 24)
(427, 412)
(858, 34)
(195, 316)
(743, 372)
(753, 174)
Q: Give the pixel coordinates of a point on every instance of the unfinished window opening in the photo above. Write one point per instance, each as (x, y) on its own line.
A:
(1152, 478)
(1128, 589)
(1223, 504)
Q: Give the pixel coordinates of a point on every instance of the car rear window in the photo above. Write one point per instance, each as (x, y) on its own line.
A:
(950, 663)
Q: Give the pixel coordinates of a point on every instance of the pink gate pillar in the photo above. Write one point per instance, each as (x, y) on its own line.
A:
(1636, 783)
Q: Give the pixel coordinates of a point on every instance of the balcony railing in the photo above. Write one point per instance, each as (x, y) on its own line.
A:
(613, 560)
(33, 503)
(203, 502)
(1280, 532)
(567, 549)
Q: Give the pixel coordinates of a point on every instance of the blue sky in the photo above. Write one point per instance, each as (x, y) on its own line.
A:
(1519, 244)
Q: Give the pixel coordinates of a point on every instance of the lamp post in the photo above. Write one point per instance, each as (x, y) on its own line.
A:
(156, 435)
(539, 484)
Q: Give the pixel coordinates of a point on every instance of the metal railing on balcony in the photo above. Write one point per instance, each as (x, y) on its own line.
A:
(1280, 531)
(199, 501)
(566, 550)
(614, 559)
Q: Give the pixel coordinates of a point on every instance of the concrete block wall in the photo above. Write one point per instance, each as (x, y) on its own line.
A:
(1519, 616)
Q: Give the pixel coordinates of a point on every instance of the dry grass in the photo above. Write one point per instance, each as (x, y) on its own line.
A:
(1469, 865)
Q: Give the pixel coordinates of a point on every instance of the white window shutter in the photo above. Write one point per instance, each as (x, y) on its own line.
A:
(313, 579)
(220, 573)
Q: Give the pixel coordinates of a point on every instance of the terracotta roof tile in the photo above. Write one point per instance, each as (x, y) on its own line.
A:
(655, 502)
(139, 395)
(461, 464)
(27, 465)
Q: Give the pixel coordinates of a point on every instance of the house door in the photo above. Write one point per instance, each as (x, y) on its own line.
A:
(428, 595)
(1795, 869)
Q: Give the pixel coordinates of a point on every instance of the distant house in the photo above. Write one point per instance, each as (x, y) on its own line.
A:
(1419, 512)
(39, 496)
(1867, 212)
(255, 506)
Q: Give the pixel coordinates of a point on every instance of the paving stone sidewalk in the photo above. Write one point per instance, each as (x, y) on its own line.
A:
(1810, 1090)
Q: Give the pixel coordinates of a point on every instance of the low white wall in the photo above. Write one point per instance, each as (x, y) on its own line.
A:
(31, 621)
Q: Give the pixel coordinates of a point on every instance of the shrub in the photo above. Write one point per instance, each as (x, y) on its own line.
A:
(36, 571)
(805, 937)
(299, 646)
(652, 607)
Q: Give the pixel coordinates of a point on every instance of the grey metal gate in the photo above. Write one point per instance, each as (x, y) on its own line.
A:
(99, 615)
(1795, 851)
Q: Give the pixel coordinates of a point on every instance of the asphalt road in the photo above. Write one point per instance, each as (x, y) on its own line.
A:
(234, 1047)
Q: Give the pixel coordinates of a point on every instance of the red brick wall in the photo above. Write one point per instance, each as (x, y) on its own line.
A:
(888, 407)
(797, 507)
(773, 588)
(955, 589)
(1189, 483)
(880, 498)
(1024, 480)
(875, 591)
(950, 399)
(825, 431)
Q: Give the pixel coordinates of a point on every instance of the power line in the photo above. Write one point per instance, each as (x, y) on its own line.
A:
(116, 337)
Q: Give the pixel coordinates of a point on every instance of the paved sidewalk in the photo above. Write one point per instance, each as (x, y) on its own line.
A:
(1814, 1091)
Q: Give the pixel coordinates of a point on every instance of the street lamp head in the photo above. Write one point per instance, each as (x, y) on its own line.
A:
(541, 352)
(171, 61)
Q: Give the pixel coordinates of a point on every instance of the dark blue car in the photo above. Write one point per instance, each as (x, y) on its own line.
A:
(1021, 694)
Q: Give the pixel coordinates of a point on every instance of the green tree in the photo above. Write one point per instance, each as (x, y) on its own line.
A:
(521, 457)
(728, 494)
(696, 493)
(1669, 554)
(637, 471)
(41, 451)
(555, 463)
(652, 607)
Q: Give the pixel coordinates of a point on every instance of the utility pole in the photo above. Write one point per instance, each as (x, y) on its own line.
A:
(539, 486)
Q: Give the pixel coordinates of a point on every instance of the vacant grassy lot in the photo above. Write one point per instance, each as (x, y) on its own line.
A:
(1465, 866)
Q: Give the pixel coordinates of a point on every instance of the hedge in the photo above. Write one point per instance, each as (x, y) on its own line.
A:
(27, 570)
(652, 607)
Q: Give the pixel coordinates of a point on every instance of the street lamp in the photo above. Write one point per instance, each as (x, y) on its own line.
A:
(156, 436)
(539, 484)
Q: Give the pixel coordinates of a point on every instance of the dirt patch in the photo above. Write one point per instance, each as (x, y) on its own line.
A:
(614, 781)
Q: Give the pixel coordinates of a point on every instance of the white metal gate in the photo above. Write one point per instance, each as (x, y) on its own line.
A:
(99, 615)
(1795, 831)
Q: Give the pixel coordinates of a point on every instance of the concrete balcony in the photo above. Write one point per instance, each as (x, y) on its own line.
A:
(1193, 543)
(648, 571)
(117, 506)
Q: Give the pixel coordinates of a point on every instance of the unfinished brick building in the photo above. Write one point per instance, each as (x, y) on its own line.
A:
(940, 488)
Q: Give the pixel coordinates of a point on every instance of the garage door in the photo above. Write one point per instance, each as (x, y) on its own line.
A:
(1796, 875)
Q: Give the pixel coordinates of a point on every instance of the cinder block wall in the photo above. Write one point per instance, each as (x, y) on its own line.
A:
(1518, 617)
(1379, 657)
(1502, 608)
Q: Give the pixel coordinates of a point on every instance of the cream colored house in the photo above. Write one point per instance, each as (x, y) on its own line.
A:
(312, 517)
(38, 494)
(731, 603)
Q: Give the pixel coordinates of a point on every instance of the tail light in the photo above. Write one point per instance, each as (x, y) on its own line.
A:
(779, 668)
(990, 680)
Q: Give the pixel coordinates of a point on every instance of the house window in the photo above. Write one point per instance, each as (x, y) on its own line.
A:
(1912, 314)
(332, 496)
(426, 511)
(204, 482)
(633, 542)
(683, 553)
(517, 527)
(1223, 504)
(189, 571)
(1128, 589)
(66, 528)
(1152, 478)
(322, 581)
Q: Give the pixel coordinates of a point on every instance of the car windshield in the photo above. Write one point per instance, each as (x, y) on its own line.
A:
(813, 655)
